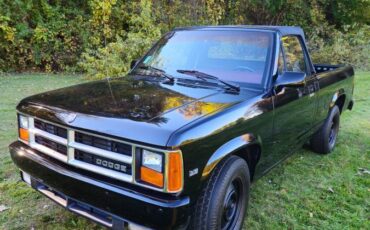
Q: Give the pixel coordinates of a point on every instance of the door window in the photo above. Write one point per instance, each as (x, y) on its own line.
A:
(294, 56)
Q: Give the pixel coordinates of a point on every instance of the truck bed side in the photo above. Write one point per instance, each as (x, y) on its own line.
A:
(336, 83)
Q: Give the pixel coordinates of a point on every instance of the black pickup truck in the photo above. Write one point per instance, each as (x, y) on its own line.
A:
(176, 143)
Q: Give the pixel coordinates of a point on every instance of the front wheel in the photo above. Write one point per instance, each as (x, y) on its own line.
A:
(224, 199)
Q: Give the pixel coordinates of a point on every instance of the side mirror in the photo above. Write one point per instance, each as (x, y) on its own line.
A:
(133, 63)
(291, 79)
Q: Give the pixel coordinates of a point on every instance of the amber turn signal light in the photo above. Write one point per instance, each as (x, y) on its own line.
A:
(151, 176)
(23, 134)
(175, 172)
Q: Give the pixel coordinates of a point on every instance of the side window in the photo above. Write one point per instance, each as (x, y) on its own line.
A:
(294, 55)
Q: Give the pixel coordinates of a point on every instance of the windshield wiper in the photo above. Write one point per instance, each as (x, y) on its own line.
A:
(161, 72)
(204, 76)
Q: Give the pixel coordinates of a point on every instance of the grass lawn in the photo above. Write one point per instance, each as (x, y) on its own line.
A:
(307, 191)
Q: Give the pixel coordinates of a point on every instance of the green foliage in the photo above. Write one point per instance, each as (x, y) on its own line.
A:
(115, 57)
(101, 12)
(350, 47)
(346, 12)
(6, 37)
(101, 37)
(41, 35)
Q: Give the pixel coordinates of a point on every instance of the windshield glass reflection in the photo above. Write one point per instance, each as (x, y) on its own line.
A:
(238, 56)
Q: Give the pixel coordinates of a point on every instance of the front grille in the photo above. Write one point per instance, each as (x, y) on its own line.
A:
(103, 162)
(50, 128)
(103, 143)
(104, 156)
(51, 144)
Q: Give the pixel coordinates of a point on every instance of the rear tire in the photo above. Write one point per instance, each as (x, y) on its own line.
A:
(224, 199)
(324, 140)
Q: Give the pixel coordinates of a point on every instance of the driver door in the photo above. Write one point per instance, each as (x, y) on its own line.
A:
(294, 107)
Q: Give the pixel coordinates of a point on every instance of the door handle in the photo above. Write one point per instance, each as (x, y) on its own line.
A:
(311, 88)
(317, 85)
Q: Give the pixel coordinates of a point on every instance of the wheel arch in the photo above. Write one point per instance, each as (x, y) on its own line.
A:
(246, 147)
(338, 99)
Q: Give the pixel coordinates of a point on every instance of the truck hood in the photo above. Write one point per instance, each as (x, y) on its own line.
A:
(133, 109)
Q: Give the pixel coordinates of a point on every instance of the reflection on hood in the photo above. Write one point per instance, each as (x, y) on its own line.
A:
(137, 100)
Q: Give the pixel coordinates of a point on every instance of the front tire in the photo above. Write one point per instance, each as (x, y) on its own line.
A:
(325, 139)
(224, 199)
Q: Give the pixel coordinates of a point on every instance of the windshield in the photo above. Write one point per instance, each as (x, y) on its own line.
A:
(230, 55)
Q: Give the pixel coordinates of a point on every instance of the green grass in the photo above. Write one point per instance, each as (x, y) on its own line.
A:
(307, 191)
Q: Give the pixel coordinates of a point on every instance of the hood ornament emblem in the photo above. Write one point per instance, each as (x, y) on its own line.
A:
(66, 117)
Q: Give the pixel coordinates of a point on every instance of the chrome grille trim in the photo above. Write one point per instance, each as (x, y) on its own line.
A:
(101, 152)
(50, 128)
(49, 136)
(100, 170)
(106, 144)
(33, 131)
(70, 139)
(49, 152)
(72, 145)
(51, 144)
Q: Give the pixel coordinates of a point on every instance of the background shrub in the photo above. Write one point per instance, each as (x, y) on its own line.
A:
(48, 35)
(351, 46)
(115, 57)
(101, 37)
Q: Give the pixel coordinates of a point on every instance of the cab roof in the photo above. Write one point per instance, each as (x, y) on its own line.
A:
(283, 30)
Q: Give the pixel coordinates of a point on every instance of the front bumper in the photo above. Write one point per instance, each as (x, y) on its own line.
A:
(112, 206)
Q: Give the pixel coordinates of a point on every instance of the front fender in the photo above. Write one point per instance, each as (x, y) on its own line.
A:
(227, 149)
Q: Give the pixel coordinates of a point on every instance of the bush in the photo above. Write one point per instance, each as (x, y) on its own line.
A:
(38, 35)
(114, 59)
(101, 37)
(350, 47)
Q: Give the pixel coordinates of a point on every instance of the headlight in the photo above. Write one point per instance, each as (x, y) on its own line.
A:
(23, 128)
(23, 122)
(151, 170)
(152, 160)
(160, 171)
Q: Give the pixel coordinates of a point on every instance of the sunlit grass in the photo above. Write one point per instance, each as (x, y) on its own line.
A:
(321, 191)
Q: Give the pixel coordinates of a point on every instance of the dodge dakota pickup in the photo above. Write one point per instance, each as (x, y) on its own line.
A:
(176, 143)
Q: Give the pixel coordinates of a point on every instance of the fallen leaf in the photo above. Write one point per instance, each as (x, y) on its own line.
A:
(283, 191)
(3, 208)
(362, 171)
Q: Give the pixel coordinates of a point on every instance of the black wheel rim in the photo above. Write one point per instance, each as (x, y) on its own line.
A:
(333, 133)
(232, 204)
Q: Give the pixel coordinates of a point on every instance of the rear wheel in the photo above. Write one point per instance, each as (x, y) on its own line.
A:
(224, 199)
(326, 137)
